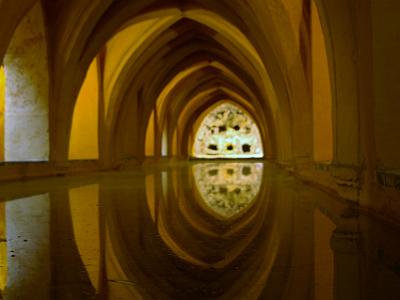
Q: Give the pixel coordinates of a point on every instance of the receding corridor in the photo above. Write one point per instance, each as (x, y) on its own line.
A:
(199, 149)
(205, 230)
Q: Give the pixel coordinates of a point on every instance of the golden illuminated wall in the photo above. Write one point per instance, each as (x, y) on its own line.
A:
(124, 46)
(84, 131)
(323, 256)
(2, 107)
(322, 96)
(227, 132)
(150, 136)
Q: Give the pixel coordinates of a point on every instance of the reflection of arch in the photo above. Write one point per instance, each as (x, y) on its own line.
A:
(146, 243)
(228, 190)
(227, 131)
(28, 219)
(85, 228)
(3, 248)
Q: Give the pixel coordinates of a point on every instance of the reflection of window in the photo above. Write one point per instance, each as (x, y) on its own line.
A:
(229, 188)
(228, 132)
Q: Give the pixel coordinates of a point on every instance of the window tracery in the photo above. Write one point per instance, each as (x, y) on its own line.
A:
(230, 188)
(228, 132)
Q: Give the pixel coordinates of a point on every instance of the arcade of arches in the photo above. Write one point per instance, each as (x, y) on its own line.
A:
(309, 87)
(89, 85)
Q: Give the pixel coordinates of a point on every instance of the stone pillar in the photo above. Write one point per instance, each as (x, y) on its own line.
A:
(27, 91)
(338, 21)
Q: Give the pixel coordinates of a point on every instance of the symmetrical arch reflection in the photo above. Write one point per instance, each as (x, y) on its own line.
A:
(160, 244)
(228, 189)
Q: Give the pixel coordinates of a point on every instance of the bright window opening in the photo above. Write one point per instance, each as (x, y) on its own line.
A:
(228, 132)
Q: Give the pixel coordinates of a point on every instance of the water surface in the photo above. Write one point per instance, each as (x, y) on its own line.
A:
(213, 230)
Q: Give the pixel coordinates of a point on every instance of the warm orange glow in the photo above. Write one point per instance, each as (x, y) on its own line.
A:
(323, 256)
(84, 205)
(175, 143)
(128, 44)
(171, 85)
(151, 195)
(84, 132)
(322, 96)
(2, 108)
(294, 8)
(150, 136)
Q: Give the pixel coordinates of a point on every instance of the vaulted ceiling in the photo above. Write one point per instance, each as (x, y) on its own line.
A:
(177, 55)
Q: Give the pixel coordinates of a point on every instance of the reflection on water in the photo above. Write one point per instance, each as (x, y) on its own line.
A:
(186, 232)
(229, 188)
(28, 239)
(84, 208)
(3, 248)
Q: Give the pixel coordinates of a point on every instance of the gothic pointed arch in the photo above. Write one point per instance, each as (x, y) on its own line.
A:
(227, 131)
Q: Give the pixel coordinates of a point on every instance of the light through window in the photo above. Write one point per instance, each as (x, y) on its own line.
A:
(228, 132)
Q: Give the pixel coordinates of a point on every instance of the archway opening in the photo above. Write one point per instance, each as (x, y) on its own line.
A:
(227, 131)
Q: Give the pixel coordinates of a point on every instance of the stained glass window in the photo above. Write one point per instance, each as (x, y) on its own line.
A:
(228, 132)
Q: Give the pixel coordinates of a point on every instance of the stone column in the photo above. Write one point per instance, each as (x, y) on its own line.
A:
(27, 91)
(338, 20)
